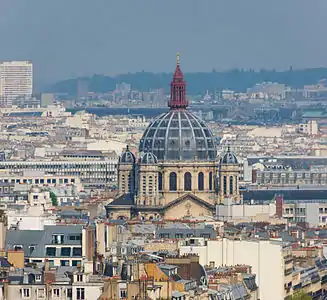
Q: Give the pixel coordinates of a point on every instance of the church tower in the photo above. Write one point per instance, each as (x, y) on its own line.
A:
(126, 173)
(178, 88)
(229, 171)
(148, 171)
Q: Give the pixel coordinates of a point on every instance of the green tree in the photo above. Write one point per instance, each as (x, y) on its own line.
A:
(53, 199)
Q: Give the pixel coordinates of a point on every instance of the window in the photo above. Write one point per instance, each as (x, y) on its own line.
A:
(32, 248)
(77, 251)
(65, 251)
(56, 293)
(72, 238)
(123, 294)
(172, 181)
(40, 293)
(160, 181)
(75, 263)
(231, 185)
(79, 277)
(80, 292)
(26, 293)
(64, 263)
(69, 293)
(210, 181)
(38, 277)
(35, 197)
(225, 185)
(58, 239)
(18, 247)
(200, 181)
(187, 181)
(50, 251)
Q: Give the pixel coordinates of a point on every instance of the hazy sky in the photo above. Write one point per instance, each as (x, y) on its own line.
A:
(68, 38)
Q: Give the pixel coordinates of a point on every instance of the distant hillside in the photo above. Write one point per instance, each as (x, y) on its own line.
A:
(237, 80)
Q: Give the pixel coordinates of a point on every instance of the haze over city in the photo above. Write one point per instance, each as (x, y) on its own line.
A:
(163, 150)
(73, 38)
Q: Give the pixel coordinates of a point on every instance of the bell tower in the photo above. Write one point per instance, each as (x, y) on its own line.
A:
(178, 88)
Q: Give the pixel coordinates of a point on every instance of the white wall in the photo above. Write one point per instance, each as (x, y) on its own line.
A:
(92, 291)
(265, 257)
(242, 211)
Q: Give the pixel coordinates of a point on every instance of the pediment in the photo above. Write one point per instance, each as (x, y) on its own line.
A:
(187, 206)
(187, 198)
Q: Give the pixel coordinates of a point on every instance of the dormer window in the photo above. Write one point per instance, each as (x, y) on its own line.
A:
(58, 239)
(79, 277)
(37, 277)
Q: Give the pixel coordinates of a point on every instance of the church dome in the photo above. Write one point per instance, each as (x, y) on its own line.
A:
(178, 134)
(148, 158)
(127, 157)
(229, 158)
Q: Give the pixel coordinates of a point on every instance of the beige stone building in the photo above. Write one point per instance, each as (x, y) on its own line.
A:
(177, 172)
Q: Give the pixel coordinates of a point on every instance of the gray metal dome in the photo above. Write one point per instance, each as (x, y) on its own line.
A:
(229, 158)
(179, 135)
(127, 157)
(148, 158)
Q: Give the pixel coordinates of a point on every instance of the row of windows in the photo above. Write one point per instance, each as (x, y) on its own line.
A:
(64, 251)
(80, 293)
(39, 181)
(172, 182)
(187, 181)
(231, 185)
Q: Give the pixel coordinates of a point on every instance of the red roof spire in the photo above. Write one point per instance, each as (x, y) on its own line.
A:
(178, 89)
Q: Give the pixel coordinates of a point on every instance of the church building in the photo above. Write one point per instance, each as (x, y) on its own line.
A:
(177, 172)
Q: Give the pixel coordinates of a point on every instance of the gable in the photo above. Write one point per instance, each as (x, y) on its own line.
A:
(188, 205)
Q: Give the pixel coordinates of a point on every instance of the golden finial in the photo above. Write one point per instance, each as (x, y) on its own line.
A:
(178, 59)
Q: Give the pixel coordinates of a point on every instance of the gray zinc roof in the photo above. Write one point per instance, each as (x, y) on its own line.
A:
(40, 238)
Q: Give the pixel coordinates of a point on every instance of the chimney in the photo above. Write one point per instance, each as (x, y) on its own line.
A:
(16, 258)
(279, 205)
(254, 175)
(46, 265)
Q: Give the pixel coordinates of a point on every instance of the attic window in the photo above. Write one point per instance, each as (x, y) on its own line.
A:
(38, 277)
(18, 247)
(32, 248)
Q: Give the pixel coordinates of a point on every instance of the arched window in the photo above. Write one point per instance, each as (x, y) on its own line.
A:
(231, 185)
(187, 181)
(172, 181)
(225, 185)
(200, 181)
(150, 185)
(160, 181)
(123, 183)
(144, 185)
(210, 181)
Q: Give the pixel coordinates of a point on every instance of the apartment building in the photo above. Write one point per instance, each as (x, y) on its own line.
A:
(16, 80)
(61, 245)
(91, 172)
(265, 257)
(313, 212)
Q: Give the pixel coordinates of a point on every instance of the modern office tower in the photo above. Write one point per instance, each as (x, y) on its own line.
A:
(16, 80)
